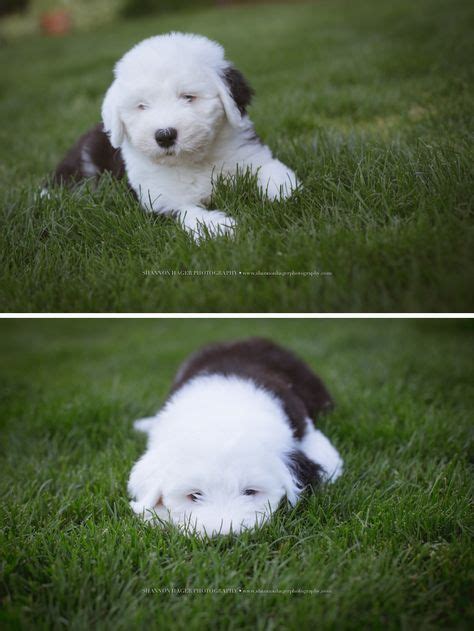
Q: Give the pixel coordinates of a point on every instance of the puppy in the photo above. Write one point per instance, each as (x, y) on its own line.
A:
(234, 438)
(175, 117)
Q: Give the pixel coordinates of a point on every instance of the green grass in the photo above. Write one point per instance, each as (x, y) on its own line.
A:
(389, 546)
(370, 102)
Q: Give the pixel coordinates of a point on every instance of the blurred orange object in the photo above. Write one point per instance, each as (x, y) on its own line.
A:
(56, 22)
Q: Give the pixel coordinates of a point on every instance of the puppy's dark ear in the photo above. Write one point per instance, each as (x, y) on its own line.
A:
(306, 473)
(235, 94)
(239, 88)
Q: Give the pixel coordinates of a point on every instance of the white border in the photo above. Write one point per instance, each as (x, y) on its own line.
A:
(200, 316)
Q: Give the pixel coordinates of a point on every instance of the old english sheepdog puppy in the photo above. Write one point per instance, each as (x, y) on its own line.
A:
(234, 438)
(174, 118)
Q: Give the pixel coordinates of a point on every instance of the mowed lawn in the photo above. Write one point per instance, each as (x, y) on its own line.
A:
(388, 546)
(369, 102)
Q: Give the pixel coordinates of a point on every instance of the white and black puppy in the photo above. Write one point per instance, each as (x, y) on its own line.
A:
(234, 438)
(174, 118)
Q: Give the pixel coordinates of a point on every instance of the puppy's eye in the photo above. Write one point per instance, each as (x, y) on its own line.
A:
(188, 97)
(250, 492)
(195, 496)
(142, 106)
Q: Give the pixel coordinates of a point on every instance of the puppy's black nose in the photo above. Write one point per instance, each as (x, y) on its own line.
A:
(166, 137)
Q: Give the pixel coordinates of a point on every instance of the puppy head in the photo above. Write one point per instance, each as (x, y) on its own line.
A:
(171, 95)
(221, 457)
(237, 491)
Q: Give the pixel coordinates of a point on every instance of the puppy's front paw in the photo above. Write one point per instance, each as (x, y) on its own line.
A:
(201, 223)
(217, 222)
(276, 180)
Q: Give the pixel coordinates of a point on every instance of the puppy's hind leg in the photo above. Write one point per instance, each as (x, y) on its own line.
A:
(88, 159)
(320, 450)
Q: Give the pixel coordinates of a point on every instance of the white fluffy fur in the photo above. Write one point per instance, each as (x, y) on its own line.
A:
(219, 436)
(148, 93)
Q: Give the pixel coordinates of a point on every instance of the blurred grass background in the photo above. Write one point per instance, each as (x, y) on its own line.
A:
(389, 545)
(84, 14)
(23, 17)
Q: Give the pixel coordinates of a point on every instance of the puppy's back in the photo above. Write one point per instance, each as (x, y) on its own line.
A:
(272, 367)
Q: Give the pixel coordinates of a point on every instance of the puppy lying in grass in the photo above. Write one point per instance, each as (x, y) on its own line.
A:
(234, 438)
(174, 118)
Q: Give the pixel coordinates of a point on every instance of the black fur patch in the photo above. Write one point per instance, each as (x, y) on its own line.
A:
(276, 369)
(100, 152)
(239, 88)
(306, 472)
